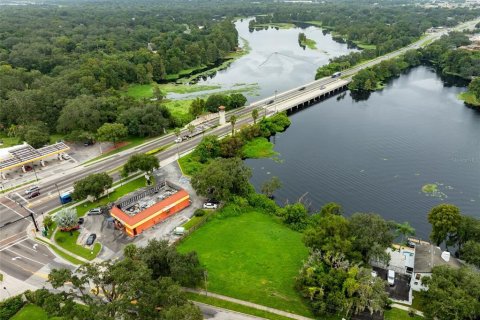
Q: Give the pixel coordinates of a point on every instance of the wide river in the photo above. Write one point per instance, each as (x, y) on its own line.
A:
(373, 155)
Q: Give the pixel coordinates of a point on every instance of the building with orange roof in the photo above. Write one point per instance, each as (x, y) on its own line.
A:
(146, 208)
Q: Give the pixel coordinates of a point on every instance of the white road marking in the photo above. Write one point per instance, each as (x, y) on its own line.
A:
(34, 250)
(8, 245)
(12, 210)
(18, 194)
(21, 256)
(14, 259)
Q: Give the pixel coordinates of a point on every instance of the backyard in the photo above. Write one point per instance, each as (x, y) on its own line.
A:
(251, 256)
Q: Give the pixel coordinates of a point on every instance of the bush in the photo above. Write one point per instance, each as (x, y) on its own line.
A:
(199, 213)
(263, 202)
(10, 307)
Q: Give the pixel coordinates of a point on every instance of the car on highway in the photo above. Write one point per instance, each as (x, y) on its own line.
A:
(33, 194)
(94, 211)
(91, 239)
(32, 189)
(301, 89)
(270, 102)
(322, 87)
(178, 140)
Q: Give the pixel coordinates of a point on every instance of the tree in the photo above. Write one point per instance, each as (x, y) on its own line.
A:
(48, 221)
(93, 185)
(223, 178)
(474, 87)
(165, 261)
(208, 148)
(329, 234)
(470, 252)
(35, 135)
(122, 290)
(111, 132)
(140, 162)
(231, 146)
(237, 100)
(216, 100)
(295, 216)
(372, 235)
(255, 115)
(452, 293)
(197, 107)
(145, 121)
(191, 128)
(445, 219)
(66, 218)
(158, 94)
(405, 229)
(233, 120)
(331, 208)
(468, 229)
(177, 132)
(270, 186)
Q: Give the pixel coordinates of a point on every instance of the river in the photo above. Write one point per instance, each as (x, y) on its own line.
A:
(375, 155)
(275, 62)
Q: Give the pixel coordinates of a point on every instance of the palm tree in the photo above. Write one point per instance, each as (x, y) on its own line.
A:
(233, 120)
(177, 132)
(405, 229)
(191, 128)
(255, 115)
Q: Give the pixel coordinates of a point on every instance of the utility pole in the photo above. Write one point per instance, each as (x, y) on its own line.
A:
(59, 196)
(34, 171)
(31, 216)
(205, 276)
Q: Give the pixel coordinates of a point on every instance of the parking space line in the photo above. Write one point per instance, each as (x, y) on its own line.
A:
(18, 254)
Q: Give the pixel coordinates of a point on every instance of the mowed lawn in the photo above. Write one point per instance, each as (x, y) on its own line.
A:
(251, 257)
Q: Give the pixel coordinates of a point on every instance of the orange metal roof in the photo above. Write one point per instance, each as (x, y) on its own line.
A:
(145, 214)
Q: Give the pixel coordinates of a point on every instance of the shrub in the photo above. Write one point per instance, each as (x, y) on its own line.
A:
(10, 307)
(199, 213)
(263, 202)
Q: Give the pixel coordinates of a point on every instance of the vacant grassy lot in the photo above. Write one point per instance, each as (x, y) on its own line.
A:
(251, 257)
(258, 148)
(397, 314)
(190, 164)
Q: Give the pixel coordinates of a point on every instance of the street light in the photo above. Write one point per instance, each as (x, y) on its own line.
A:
(34, 171)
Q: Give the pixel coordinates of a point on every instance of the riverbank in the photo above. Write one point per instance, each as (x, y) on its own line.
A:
(469, 98)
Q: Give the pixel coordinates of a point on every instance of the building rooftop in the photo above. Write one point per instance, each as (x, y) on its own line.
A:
(22, 154)
(428, 256)
(142, 205)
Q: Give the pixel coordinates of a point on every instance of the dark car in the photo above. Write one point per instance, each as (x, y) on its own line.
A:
(301, 89)
(270, 102)
(80, 220)
(34, 194)
(91, 239)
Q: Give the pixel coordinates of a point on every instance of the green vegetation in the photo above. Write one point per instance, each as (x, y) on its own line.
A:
(141, 91)
(469, 98)
(277, 25)
(258, 148)
(430, 188)
(234, 306)
(68, 241)
(303, 41)
(365, 46)
(31, 311)
(130, 143)
(196, 219)
(190, 164)
(250, 263)
(7, 141)
(398, 314)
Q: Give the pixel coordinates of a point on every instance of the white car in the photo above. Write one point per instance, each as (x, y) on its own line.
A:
(391, 278)
(65, 156)
(32, 189)
(178, 140)
(374, 274)
(210, 205)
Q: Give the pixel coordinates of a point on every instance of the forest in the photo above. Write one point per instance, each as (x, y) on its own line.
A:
(64, 66)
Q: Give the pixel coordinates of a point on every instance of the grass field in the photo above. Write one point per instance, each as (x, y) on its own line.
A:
(190, 165)
(33, 312)
(140, 91)
(179, 109)
(398, 314)
(69, 242)
(132, 142)
(251, 257)
(258, 148)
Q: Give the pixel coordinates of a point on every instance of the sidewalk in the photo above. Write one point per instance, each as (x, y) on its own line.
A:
(402, 307)
(249, 304)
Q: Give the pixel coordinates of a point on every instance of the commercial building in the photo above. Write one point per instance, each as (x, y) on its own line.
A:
(147, 207)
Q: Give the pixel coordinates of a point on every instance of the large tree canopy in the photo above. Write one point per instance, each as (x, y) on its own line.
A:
(93, 185)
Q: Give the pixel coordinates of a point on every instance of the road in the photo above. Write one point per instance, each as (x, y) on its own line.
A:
(12, 234)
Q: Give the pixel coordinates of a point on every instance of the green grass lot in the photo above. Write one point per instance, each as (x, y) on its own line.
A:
(33, 312)
(469, 98)
(365, 46)
(69, 242)
(251, 257)
(183, 73)
(62, 254)
(258, 148)
(196, 220)
(190, 165)
(140, 91)
(8, 141)
(398, 314)
(314, 23)
(179, 109)
(234, 306)
(132, 142)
